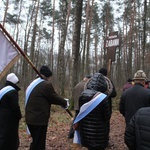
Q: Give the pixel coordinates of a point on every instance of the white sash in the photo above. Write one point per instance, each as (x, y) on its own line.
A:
(28, 92)
(31, 87)
(4, 90)
(84, 111)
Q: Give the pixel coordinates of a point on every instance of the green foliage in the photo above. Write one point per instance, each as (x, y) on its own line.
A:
(13, 18)
(46, 34)
(46, 8)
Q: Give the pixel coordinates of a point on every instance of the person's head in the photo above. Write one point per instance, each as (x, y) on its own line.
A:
(87, 77)
(140, 77)
(46, 72)
(103, 71)
(129, 80)
(12, 78)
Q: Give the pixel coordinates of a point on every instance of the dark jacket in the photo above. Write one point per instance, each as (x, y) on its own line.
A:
(133, 99)
(127, 86)
(137, 133)
(93, 127)
(10, 115)
(37, 111)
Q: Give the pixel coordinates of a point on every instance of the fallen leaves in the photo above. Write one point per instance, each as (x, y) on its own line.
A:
(58, 129)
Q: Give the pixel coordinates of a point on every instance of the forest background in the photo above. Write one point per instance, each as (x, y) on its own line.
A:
(69, 35)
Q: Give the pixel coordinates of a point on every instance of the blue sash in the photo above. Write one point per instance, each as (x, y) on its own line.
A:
(85, 110)
(4, 90)
(89, 106)
(31, 87)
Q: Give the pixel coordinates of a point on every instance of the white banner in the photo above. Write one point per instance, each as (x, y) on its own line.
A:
(8, 54)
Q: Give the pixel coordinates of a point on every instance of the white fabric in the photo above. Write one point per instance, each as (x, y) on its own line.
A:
(76, 137)
(12, 78)
(7, 53)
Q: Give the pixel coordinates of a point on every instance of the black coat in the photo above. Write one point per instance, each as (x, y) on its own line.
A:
(133, 99)
(10, 115)
(93, 127)
(37, 111)
(137, 133)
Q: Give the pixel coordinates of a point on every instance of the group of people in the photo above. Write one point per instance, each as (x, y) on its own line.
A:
(92, 125)
(93, 108)
(135, 107)
(93, 105)
(40, 95)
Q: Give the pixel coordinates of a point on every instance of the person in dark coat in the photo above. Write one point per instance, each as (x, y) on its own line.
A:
(137, 133)
(135, 97)
(93, 127)
(77, 90)
(10, 114)
(40, 95)
(128, 84)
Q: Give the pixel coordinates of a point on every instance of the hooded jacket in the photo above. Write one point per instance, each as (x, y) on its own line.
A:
(93, 128)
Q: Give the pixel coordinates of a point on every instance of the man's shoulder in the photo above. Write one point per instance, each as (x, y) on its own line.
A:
(80, 84)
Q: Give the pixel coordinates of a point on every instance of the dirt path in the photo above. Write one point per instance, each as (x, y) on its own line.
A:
(57, 135)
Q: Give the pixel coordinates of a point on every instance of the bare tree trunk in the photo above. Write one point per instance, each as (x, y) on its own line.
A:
(6, 9)
(144, 33)
(76, 42)
(53, 30)
(25, 66)
(32, 50)
(85, 39)
(61, 61)
(95, 50)
(88, 39)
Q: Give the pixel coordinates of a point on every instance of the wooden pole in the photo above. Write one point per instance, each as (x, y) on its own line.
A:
(109, 68)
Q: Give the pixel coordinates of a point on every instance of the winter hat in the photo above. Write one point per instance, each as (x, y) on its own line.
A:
(140, 75)
(12, 78)
(129, 80)
(44, 70)
(103, 71)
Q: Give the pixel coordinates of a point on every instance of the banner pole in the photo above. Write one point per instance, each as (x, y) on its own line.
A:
(109, 68)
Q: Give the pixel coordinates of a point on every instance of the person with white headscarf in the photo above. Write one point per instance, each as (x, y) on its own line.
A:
(10, 114)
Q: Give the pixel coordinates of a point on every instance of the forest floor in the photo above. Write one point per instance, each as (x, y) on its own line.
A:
(58, 129)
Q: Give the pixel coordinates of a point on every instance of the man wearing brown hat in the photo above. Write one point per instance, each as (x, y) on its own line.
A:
(135, 97)
(40, 95)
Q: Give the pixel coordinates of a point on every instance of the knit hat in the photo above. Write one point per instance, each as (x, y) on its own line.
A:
(103, 71)
(12, 78)
(44, 70)
(140, 75)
